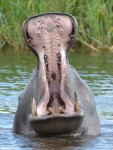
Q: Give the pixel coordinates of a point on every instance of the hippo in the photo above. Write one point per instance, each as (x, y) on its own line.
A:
(56, 101)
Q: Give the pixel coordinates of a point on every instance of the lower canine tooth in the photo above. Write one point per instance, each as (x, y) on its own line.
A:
(50, 112)
(33, 107)
(76, 107)
(61, 110)
(76, 104)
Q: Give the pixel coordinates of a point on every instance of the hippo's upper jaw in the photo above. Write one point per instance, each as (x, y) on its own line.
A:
(50, 36)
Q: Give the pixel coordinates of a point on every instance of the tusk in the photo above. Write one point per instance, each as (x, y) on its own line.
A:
(61, 110)
(76, 107)
(33, 107)
(76, 104)
(50, 111)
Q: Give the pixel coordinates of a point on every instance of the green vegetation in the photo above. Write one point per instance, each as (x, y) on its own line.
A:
(95, 18)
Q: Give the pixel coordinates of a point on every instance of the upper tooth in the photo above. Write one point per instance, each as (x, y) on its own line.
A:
(61, 110)
(33, 107)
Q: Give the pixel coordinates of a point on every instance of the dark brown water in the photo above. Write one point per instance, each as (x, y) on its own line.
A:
(15, 71)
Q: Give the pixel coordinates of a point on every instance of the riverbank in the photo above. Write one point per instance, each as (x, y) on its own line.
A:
(95, 19)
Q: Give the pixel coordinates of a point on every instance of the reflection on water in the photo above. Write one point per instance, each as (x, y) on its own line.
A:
(15, 71)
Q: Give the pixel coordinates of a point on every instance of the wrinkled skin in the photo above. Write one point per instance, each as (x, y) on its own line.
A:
(56, 100)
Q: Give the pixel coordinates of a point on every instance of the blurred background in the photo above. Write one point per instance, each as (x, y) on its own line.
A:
(95, 18)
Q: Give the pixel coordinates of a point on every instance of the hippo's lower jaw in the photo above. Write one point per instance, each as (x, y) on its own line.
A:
(49, 116)
(56, 109)
(58, 104)
(56, 124)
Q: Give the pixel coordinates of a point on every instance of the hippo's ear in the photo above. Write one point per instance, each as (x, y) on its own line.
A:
(30, 26)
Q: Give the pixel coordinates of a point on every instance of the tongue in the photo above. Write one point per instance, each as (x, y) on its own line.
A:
(56, 104)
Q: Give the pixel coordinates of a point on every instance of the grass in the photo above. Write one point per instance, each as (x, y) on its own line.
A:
(95, 18)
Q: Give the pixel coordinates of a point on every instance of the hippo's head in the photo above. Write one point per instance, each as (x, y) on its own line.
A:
(54, 108)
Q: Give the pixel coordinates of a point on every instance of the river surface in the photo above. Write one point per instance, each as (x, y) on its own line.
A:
(15, 71)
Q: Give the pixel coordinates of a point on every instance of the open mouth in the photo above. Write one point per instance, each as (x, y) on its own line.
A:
(49, 37)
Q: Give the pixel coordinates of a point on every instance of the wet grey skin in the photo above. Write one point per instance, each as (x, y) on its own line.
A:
(56, 100)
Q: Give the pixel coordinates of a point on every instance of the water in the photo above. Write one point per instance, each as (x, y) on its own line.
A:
(15, 71)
